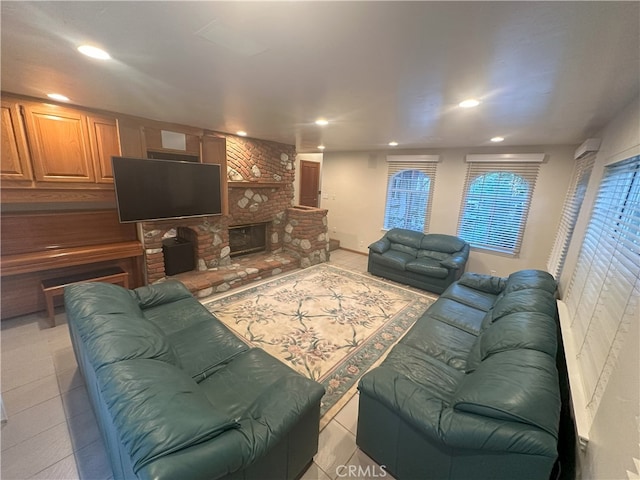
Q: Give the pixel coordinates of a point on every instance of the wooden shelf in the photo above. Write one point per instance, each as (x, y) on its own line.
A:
(57, 195)
(256, 184)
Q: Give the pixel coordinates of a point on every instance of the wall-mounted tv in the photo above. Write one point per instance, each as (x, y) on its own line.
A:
(149, 189)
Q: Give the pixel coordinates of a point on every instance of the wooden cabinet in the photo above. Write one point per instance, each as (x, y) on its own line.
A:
(59, 144)
(15, 162)
(214, 150)
(103, 136)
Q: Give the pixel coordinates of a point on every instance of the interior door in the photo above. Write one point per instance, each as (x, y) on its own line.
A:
(309, 183)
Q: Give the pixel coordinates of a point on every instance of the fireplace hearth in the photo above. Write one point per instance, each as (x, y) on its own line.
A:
(248, 238)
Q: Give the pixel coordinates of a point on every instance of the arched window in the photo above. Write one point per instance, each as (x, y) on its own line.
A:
(494, 210)
(408, 194)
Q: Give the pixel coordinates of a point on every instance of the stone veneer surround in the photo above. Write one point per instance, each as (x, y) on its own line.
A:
(261, 189)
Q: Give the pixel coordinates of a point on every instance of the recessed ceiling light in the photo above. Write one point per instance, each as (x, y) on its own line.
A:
(469, 103)
(94, 52)
(320, 147)
(393, 144)
(242, 133)
(58, 96)
(322, 122)
(497, 139)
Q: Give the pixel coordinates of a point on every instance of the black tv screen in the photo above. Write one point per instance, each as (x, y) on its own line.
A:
(149, 189)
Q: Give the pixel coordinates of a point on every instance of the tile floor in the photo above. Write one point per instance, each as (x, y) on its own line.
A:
(51, 432)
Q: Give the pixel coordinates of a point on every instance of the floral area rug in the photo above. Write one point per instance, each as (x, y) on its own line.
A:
(327, 323)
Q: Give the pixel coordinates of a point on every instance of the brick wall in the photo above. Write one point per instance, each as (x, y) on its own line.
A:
(307, 234)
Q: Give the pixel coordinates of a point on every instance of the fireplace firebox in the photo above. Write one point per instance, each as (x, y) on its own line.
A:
(248, 238)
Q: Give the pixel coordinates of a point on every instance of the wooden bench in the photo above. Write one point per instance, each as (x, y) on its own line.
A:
(53, 287)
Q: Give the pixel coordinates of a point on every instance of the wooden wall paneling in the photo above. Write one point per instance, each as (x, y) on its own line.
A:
(15, 162)
(38, 231)
(131, 137)
(214, 150)
(103, 134)
(59, 144)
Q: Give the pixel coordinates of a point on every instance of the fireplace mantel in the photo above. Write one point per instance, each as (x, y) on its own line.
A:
(236, 184)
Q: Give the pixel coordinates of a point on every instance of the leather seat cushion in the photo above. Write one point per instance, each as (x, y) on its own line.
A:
(392, 259)
(441, 341)
(158, 409)
(248, 381)
(434, 377)
(428, 267)
(458, 315)
(205, 347)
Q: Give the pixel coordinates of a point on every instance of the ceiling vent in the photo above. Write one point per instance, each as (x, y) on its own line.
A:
(591, 145)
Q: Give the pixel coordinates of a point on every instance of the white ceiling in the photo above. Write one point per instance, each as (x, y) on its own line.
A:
(546, 72)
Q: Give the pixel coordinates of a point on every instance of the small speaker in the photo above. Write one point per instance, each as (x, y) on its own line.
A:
(178, 256)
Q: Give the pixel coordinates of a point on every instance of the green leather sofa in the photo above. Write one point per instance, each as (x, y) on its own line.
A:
(178, 396)
(472, 390)
(429, 261)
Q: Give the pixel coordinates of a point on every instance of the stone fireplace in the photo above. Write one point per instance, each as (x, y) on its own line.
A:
(260, 193)
(249, 238)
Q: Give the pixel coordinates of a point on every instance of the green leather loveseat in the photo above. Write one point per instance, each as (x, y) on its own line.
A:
(178, 396)
(429, 261)
(472, 390)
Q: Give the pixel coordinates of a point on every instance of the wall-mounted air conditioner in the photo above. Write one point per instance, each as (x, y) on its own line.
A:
(591, 145)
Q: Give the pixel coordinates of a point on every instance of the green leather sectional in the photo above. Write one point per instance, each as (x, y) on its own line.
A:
(178, 396)
(472, 390)
(429, 261)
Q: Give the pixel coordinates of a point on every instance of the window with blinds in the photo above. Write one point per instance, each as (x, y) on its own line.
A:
(570, 211)
(496, 204)
(410, 183)
(603, 294)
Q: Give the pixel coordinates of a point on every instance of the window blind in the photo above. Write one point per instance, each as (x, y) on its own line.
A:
(570, 211)
(496, 204)
(410, 187)
(602, 298)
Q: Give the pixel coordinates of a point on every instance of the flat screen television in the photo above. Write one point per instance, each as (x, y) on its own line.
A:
(149, 189)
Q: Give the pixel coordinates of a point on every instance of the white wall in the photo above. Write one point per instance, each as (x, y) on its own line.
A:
(355, 185)
(614, 438)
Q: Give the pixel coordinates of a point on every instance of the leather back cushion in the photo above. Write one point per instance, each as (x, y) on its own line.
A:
(515, 385)
(442, 243)
(521, 330)
(157, 409)
(529, 300)
(406, 237)
(112, 326)
(433, 255)
(162, 293)
(525, 279)
(400, 247)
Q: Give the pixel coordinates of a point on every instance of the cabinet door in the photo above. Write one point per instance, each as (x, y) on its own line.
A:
(214, 150)
(103, 134)
(15, 163)
(59, 144)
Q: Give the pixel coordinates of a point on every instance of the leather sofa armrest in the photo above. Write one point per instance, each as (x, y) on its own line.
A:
(161, 293)
(380, 246)
(454, 262)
